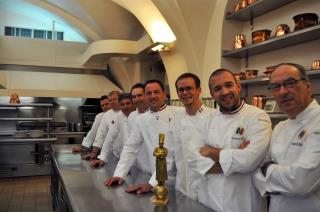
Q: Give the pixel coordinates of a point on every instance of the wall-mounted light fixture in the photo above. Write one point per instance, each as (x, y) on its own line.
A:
(160, 47)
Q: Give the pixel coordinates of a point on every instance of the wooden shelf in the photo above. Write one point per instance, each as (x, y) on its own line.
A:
(293, 38)
(256, 9)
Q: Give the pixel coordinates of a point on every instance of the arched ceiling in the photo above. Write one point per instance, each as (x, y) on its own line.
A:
(94, 19)
(107, 18)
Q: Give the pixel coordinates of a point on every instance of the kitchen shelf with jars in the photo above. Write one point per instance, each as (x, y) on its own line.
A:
(25, 152)
(295, 38)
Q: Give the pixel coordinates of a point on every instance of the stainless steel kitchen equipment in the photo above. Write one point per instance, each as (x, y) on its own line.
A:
(24, 152)
(76, 187)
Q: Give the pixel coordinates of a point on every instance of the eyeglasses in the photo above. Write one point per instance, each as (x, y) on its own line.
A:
(188, 89)
(288, 83)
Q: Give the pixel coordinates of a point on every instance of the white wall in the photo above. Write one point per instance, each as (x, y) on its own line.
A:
(43, 84)
(41, 52)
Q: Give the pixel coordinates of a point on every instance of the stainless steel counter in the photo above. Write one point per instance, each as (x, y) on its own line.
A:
(84, 189)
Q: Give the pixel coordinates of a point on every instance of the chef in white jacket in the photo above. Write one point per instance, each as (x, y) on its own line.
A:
(188, 90)
(228, 146)
(89, 138)
(146, 131)
(292, 174)
(141, 105)
(105, 124)
(117, 133)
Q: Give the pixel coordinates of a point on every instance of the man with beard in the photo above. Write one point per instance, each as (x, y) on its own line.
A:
(228, 146)
(89, 139)
(146, 131)
(105, 124)
(188, 90)
(117, 133)
(292, 174)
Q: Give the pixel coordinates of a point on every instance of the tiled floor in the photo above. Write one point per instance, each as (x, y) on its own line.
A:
(30, 194)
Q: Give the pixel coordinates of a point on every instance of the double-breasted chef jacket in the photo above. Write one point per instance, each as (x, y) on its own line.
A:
(187, 180)
(116, 135)
(233, 189)
(89, 138)
(294, 179)
(106, 121)
(146, 131)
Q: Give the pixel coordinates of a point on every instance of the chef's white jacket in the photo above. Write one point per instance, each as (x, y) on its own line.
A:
(89, 139)
(295, 149)
(187, 180)
(231, 190)
(115, 137)
(141, 157)
(106, 121)
(146, 131)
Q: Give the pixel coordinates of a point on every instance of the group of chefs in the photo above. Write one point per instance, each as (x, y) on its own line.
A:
(229, 159)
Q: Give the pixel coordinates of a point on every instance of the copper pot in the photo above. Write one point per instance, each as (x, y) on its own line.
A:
(240, 75)
(243, 3)
(239, 41)
(258, 101)
(269, 70)
(305, 20)
(260, 36)
(282, 29)
(251, 74)
(251, 1)
(315, 65)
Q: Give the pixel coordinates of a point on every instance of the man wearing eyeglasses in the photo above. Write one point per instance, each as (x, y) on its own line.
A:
(229, 145)
(292, 174)
(188, 90)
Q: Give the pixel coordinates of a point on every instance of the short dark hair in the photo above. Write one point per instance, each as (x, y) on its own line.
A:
(219, 71)
(103, 97)
(189, 75)
(124, 96)
(154, 81)
(300, 68)
(137, 85)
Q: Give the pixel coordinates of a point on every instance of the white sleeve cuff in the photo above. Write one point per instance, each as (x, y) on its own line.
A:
(86, 142)
(103, 158)
(153, 182)
(226, 161)
(260, 182)
(202, 165)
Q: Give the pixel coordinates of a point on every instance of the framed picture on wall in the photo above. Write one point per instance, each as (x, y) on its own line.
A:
(270, 105)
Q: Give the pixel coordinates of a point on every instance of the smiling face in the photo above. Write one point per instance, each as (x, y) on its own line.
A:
(225, 90)
(126, 106)
(104, 103)
(155, 96)
(138, 98)
(294, 99)
(187, 91)
(114, 102)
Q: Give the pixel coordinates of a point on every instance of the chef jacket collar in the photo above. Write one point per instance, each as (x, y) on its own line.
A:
(146, 110)
(308, 112)
(200, 110)
(235, 111)
(161, 108)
